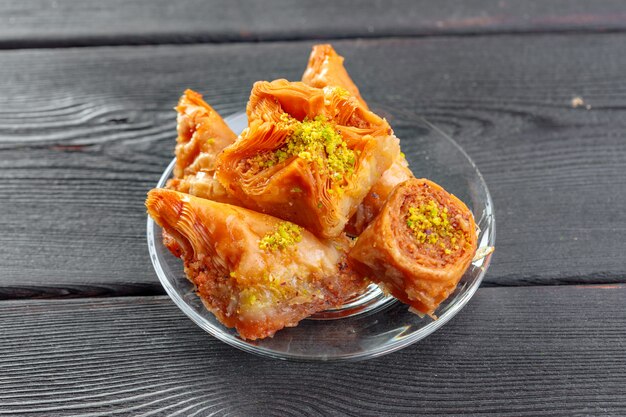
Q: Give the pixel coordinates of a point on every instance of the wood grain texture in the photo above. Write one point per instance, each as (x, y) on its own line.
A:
(85, 133)
(45, 23)
(525, 351)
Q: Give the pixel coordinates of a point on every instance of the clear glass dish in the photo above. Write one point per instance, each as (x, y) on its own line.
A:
(370, 325)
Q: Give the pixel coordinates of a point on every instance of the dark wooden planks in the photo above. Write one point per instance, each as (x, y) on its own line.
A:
(43, 23)
(85, 133)
(526, 351)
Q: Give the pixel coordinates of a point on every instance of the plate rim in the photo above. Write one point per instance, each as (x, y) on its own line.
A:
(425, 331)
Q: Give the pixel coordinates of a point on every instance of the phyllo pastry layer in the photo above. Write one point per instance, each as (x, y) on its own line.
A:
(419, 246)
(202, 134)
(309, 155)
(255, 272)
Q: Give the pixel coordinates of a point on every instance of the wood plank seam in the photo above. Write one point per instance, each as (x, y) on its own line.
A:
(76, 292)
(201, 38)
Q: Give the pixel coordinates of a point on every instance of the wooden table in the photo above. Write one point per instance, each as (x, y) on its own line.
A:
(86, 128)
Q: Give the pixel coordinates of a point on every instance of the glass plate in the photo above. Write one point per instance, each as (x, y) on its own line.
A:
(370, 325)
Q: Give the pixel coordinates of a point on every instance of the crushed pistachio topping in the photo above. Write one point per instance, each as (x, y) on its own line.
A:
(430, 224)
(315, 141)
(341, 92)
(210, 141)
(273, 289)
(247, 297)
(285, 235)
